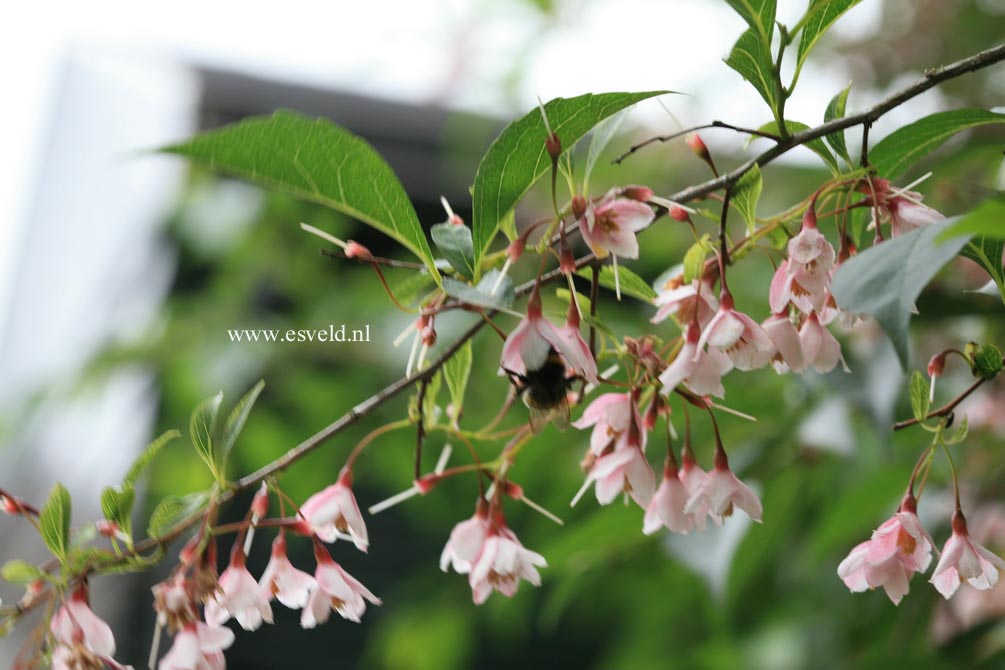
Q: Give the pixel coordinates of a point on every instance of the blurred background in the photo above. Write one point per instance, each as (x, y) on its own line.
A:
(121, 272)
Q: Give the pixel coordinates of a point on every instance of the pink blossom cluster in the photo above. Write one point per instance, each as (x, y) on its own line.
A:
(901, 547)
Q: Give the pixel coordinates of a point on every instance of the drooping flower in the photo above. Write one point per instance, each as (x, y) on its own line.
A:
(175, 602)
(896, 550)
(198, 646)
(81, 635)
(609, 225)
(239, 597)
(702, 370)
(901, 207)
(821, 350)
(788, 351)
(337, 590)
(281, 580)
(502, 563)
(736, 335)
(684, 301)
(465, 543)
(721, 491)
(666, 509)
(529, 344)
(963, 560)
(692, 477)
(623, 469)
(582, 358)
(610, 414)
(333, 512)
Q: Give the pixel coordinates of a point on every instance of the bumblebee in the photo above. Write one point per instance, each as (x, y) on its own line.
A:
(545, 392)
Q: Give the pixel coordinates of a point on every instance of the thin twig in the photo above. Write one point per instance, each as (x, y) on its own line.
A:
(688, 131)
(945, 409)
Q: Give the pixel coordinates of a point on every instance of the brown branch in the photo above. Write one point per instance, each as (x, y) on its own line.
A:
(945, 409)
(932, 78)
(688, 131)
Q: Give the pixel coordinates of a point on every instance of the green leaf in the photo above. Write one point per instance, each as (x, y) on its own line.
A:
(413, 286)
(836, 110)
(146, 456)
(885, 280)
(817, 145)
(483, 295)
(454, 242)
(920, 402)
(631, 283)
(819, 18)
(54, 521)
(694, 259)
(173, 509)
(744, 196)
(987, 224)
(456, 371)
(21, 572)
(986, 362)
(235, 422)
(518, 158)
(759, 15)
(202, 426)
(429, 409)
(602, 136)
(752, 59)
(960, 434)
(314, 159)
(508, 225)
(896, 152)
(117, 505)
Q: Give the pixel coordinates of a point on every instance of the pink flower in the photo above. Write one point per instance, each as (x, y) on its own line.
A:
(502, 563)
(82, 636)
(702, 370)
(811, 254)
(337, 590)
(198, 646)
(792, 284)
(609, 226)
(737, 335)
(721, 490)
(898, 548)
(683, 301)
(582, 358)
(465, 543)
(530, 343)
(623, 470)
(666, 509)
(788, 351)
(821, 350)
(292, 587)
(175, 602)
(333, 512)
(963, 560)
(610, 415)
(692, 477)
(239, 596)
(902, 208)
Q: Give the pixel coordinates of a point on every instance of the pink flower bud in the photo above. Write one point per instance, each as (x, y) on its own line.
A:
(937, 365)
(515, 249)
(578, 206)
(640, 193)
(429, 336)
(260, 503)
(357, 250)
(810, 217)
(554, 146)
(455, 220)
(696, 144)
(678, 213)
(107, 528)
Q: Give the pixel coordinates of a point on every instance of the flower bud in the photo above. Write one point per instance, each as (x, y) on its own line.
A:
(578, 206)
(937, 364)
(810, 217)
(357, 250)
(516, 248)
(260, 503)
(678, 213)
(640, 193)
(554, 146)
(455, 220)
(697, 145)
(566, 260)
(428, 335)
(107, 528)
